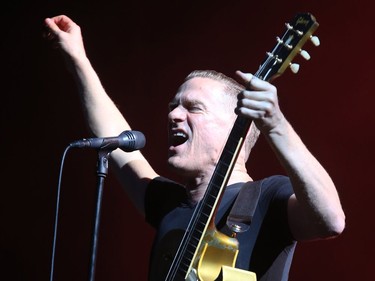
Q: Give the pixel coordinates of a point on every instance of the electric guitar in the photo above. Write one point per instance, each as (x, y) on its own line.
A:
(204, 253)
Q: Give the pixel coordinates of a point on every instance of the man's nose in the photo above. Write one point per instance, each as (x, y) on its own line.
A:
(177, 114)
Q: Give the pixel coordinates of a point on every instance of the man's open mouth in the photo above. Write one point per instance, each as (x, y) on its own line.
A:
(178, 138)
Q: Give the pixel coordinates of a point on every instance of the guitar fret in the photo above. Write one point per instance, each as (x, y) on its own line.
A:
(191, 252)
(212, 196)
(221, 169)
(199, 227)
(214, 188)
(227, 158)
(211, 199)
(184, 267)
(206, 212)
(196, 239)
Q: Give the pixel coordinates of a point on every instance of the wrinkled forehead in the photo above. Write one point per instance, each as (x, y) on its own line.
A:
(200, 88)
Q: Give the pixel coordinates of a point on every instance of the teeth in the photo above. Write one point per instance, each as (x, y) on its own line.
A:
(178, 138)
(179, 134)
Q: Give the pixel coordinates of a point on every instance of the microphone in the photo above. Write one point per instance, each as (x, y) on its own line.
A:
(127, 141)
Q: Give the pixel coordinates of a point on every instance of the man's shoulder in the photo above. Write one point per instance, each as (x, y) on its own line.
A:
(275, 179)
(274, 182)
(162, 196)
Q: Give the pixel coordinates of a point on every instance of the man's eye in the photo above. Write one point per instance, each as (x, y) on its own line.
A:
(194, 109)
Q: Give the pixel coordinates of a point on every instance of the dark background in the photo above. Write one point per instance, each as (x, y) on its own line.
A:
(142, 50)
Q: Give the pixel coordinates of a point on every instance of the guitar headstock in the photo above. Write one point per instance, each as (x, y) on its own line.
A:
(297, 32)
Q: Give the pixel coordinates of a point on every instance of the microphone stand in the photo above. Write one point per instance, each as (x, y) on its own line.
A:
(102, 171)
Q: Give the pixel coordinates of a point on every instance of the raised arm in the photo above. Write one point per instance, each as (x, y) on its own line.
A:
(314, 210)
(103, 117)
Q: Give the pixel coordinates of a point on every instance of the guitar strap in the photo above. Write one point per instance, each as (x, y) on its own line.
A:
(242, 212)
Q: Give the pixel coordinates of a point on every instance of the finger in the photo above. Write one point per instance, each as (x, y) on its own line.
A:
(250, 81)
(245, 77)
(47, 33)
(251, 113)
(255, 101)
(51, 25)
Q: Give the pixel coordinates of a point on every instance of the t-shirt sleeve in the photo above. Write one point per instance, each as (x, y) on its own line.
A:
(279, 189)
(162, 196)
(274, 247)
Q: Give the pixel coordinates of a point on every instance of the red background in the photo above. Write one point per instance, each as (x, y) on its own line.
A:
(142, 51)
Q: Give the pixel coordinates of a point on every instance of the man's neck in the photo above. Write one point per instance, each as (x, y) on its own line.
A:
(196, 188)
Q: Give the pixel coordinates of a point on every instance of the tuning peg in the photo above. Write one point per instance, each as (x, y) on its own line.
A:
(315, 40)
(294, 67)
(305, 54)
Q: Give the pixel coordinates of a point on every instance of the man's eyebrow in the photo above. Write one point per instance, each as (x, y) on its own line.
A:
(195, 102)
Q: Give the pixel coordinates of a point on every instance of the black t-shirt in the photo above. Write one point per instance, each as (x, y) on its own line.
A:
(266, 248)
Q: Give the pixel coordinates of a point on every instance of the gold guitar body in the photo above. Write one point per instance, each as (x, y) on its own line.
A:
(217, 257)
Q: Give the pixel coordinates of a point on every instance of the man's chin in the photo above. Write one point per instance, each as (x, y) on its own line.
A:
(177, 167)
(173, 164)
